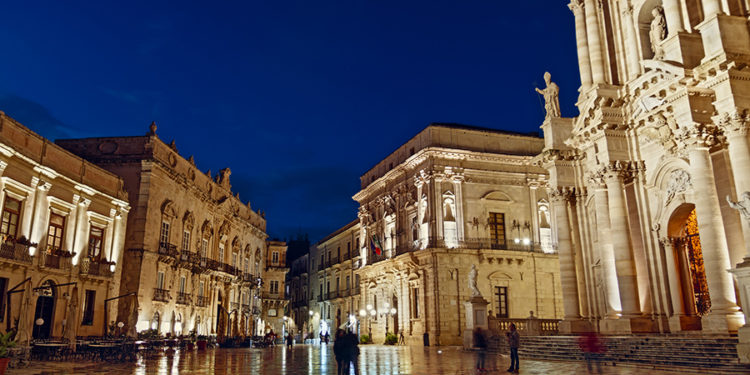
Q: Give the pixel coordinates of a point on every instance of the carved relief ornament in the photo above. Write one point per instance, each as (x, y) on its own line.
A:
(735, 123)
(679, 182)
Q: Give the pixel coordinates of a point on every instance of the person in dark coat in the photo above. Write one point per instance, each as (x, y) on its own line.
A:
(480, 343)
(351, 352)
(339, 352)
(514, 341)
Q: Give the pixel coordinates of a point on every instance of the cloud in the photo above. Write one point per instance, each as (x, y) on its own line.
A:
(37, 118)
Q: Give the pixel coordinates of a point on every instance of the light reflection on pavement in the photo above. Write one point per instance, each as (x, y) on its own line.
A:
(317, 360)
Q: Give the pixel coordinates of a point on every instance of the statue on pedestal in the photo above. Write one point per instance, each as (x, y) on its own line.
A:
(473, 282)
(658, 32)
(551, 96)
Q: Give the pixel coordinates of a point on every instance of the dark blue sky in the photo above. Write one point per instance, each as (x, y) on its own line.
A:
(298, 98)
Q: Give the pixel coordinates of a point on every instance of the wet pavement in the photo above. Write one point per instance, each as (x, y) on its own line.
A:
(314, 360)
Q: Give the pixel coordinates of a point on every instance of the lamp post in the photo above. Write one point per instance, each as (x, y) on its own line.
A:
(373, 313)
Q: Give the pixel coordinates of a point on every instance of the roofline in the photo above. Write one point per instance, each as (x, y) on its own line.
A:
(451, 125)
(337, 232)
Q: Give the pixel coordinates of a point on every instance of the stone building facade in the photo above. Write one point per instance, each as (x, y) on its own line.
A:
(298, 285)
(335, 295)
(62, 233)
(273, 295)
(194, 250)
(451, 197)
(640, 180)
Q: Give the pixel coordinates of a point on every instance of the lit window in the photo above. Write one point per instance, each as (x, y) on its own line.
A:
(95, 242)
(55, 231)
(11, 213)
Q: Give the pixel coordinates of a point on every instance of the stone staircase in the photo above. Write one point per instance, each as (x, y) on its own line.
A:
(694, 354)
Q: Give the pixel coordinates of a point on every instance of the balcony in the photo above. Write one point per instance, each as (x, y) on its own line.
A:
(345, 292)
(320, 298)
(167, 252)
(16, 252)
(201, 301)
(333, 294)
(93, 267)
(184, 298)
(60, 259)
(232, 270)
(161, 295)
(213, 265)
(355, 290)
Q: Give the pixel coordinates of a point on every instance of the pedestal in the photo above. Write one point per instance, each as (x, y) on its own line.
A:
(574, 326)
(476, 316)
(626, 326)
(724, 34)
(742, 274)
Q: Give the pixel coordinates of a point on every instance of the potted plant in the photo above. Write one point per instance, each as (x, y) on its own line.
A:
(6, 342)
(202, 342)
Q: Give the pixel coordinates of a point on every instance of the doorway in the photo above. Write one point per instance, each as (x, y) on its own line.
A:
(45, 309)
(685, 235)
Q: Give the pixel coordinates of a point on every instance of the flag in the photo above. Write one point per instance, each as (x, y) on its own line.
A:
(375, 245)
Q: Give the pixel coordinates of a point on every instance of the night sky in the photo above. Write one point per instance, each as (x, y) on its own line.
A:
(298, 98)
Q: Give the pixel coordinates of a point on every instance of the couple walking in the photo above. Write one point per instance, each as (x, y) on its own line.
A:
(346, 351)
(480, 342)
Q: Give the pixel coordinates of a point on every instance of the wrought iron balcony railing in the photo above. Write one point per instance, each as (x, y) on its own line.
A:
(161, 295)
(168, 249)
(59, 262)
(93, 268)
(201, 301)
(15, 251)
(184, 298)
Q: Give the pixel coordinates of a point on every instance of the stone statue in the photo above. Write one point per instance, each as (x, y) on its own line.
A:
(658, 32)
(551, 96)
(473, 282)
(742, 205)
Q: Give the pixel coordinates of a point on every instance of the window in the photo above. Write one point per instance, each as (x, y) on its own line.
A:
(11, 212)
(3, 295)
(347, 282)
(321, 290)
(348, 250)
(185, 241)
(338, 253)
(204, 247)
(234, 259)
(55, 231)
(497, 229)
(337, 284)
(275, 257)
(95, 242)
(271, 312)
(357, 241)
(356, 281)
(164, 233)
(501, 292)
(273, 287)
(182, 284)
(221, 252)
(88, 310)
(160, 280)
(415, 303)
(247, 265)
(200, 289)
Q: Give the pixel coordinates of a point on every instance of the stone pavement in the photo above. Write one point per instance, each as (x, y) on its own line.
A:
(314, 360)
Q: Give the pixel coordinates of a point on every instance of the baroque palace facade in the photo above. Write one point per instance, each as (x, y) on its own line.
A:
(451, 197)
(194, 252)
(62, 234)
(640, 180)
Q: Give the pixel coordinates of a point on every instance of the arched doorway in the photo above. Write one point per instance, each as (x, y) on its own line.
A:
(685, 235)
(45, 309)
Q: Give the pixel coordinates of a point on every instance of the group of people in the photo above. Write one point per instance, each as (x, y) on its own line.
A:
(590, 343)
(346, 351)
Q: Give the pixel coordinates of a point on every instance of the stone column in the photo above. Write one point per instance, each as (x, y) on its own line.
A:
(41, 213)
(622, 241)
(735, 127)
(594, 42)
(560, 198)
(584, 62)
(674, 284)
(606, 252)
(631, 41)
(673, 16)
(723, 316)
(28, 210)
(458, 181)
(535, 239)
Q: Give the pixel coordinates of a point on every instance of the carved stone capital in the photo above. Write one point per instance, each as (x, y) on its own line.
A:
(667, 242)
(700, 136)
(735, 123)
(561, 194)
(576, 6)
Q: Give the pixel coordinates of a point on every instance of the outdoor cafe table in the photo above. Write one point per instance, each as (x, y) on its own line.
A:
(106, 350)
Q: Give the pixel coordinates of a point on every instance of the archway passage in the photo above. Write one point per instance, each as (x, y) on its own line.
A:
(45, 308)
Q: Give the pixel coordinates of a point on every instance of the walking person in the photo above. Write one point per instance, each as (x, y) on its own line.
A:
(339, 347)
(593, 348)
(401, 340)
(289, 340)
(480, 343)
(514, 341)
(351, 353)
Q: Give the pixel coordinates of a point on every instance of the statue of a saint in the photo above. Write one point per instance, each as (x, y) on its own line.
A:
(551, 96)
(473, 282)
(658, 32)
(743, 205)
